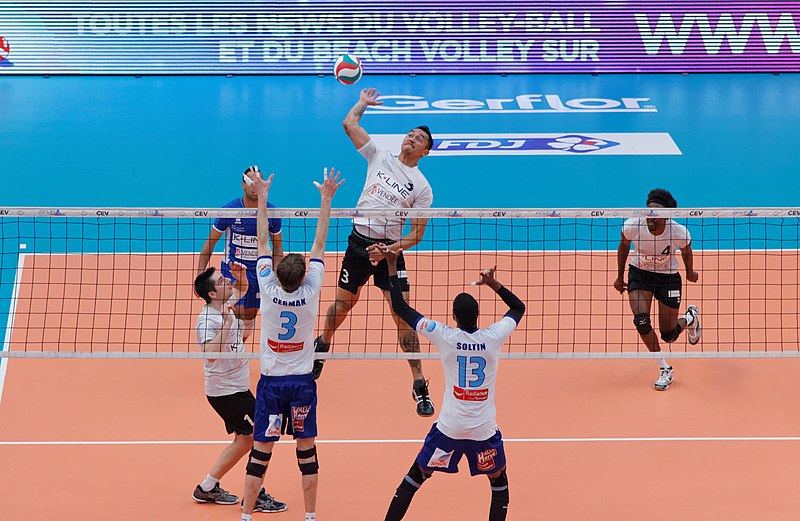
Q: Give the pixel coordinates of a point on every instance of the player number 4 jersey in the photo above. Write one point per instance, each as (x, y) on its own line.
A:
(655, 253)
(288, 320)
(470, 368)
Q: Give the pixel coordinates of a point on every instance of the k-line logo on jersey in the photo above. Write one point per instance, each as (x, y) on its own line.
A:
(520, 104)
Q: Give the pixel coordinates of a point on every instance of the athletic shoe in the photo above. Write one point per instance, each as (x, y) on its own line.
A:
(664, 379)
(267, 503)
(215, 495)
(423, 397)
(319, 347)
(694, 330)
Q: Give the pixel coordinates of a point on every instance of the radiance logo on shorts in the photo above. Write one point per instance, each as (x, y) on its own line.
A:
(600, 143)
(440, 459)
(486, 460)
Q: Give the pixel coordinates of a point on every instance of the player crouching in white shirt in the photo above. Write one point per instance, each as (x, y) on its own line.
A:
(467, 423)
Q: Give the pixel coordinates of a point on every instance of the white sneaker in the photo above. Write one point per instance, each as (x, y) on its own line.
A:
(694, 330)
(664, 379)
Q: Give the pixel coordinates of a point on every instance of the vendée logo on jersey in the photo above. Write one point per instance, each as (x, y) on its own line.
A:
(522, 103)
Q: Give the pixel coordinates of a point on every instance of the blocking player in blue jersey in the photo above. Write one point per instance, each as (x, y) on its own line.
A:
(241, 246)
(467, 423)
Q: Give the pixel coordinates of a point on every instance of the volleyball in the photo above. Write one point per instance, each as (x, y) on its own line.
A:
(347, 69)
(4, 48)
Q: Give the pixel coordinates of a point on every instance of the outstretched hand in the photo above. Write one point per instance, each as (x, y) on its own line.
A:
(330, 183)
(370, 97)
(239, 273)
(260, 186)
(486, 278)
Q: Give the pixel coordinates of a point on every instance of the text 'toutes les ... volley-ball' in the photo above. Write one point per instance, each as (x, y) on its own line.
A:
(5, 48)
(347, 69)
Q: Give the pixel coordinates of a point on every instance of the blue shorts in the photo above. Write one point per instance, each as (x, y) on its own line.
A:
(441, 454)
(285, 404)
(251, 298)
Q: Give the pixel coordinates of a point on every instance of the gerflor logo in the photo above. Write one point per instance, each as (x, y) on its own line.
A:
(521, 103)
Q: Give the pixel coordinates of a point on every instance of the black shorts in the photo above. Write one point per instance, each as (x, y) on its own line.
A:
(357, 269)
(665, 287)
(236, 410)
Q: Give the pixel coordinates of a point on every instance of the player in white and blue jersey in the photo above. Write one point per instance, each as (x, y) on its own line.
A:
(241, 247)
(467, 424)
(286, 396)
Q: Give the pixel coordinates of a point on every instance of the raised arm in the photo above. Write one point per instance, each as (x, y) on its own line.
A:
(516, 308)
(688, 262)
(262, 229)
(399, 305)
(352, 122)
(217, 343)
(623, 250)
(327, 189)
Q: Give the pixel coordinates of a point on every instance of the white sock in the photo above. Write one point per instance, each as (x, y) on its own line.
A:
(209, 483)
(663, 363)
(247, 517)
(689, 318)
(311, 516)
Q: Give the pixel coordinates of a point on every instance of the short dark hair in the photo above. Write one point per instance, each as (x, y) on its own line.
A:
(465, 309)
(203, 285)
(662, 197)
(290, 271)
(427, 131)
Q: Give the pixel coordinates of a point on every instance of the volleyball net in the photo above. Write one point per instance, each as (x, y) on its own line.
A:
(118, 283)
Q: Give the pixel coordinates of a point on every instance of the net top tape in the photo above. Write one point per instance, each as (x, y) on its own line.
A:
(430, 213)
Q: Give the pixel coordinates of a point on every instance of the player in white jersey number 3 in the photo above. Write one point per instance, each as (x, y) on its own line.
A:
(392, 182)
(467, 424)
(653, 272)
(287, 391)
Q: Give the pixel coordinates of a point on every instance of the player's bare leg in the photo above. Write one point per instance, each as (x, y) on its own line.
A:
(307, 460)
(640, 302)
(334, 317)
(409, 343)
(256, 468)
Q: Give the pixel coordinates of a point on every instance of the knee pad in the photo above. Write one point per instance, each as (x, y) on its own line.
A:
(255, 468)
(414, 479)
(642, 323)
(671, 336)
(307, 469)
(499, 490)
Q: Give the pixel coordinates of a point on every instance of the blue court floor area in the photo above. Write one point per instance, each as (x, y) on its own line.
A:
(184, 141)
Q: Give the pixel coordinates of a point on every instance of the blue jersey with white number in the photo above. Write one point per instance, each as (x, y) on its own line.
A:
(241, 243)
(288, 320)
(470, 368)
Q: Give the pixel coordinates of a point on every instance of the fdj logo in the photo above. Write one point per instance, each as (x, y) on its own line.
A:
(573, 143)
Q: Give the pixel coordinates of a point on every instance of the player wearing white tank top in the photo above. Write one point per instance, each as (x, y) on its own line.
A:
(653, 272)
(467, 424)
(392, 182)
(286, 396)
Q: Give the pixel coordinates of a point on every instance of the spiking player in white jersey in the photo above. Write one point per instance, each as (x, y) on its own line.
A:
(653, 272)
(392, 182)
(287, 391)
(467, 424)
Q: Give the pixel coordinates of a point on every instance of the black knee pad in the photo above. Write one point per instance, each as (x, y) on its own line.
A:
(671, 336)
(255, 468)
(642, 323)
(307, 469)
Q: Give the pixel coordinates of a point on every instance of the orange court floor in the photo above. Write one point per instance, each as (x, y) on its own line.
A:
(585, 440)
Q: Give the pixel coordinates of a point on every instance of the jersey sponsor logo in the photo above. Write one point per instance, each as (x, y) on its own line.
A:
(285, 347)
(394, 186)
(274, 426)
(380, 193)
(244, 254)
(299, 415)
(264, 269)
(440, 459)
(520, 104)
(428, 325)
(486, 459)
(470, 395)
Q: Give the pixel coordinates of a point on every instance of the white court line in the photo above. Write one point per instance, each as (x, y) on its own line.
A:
(388, 441)
(12, 309)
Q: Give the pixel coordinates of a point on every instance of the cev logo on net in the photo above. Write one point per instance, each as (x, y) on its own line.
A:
(520, 104)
